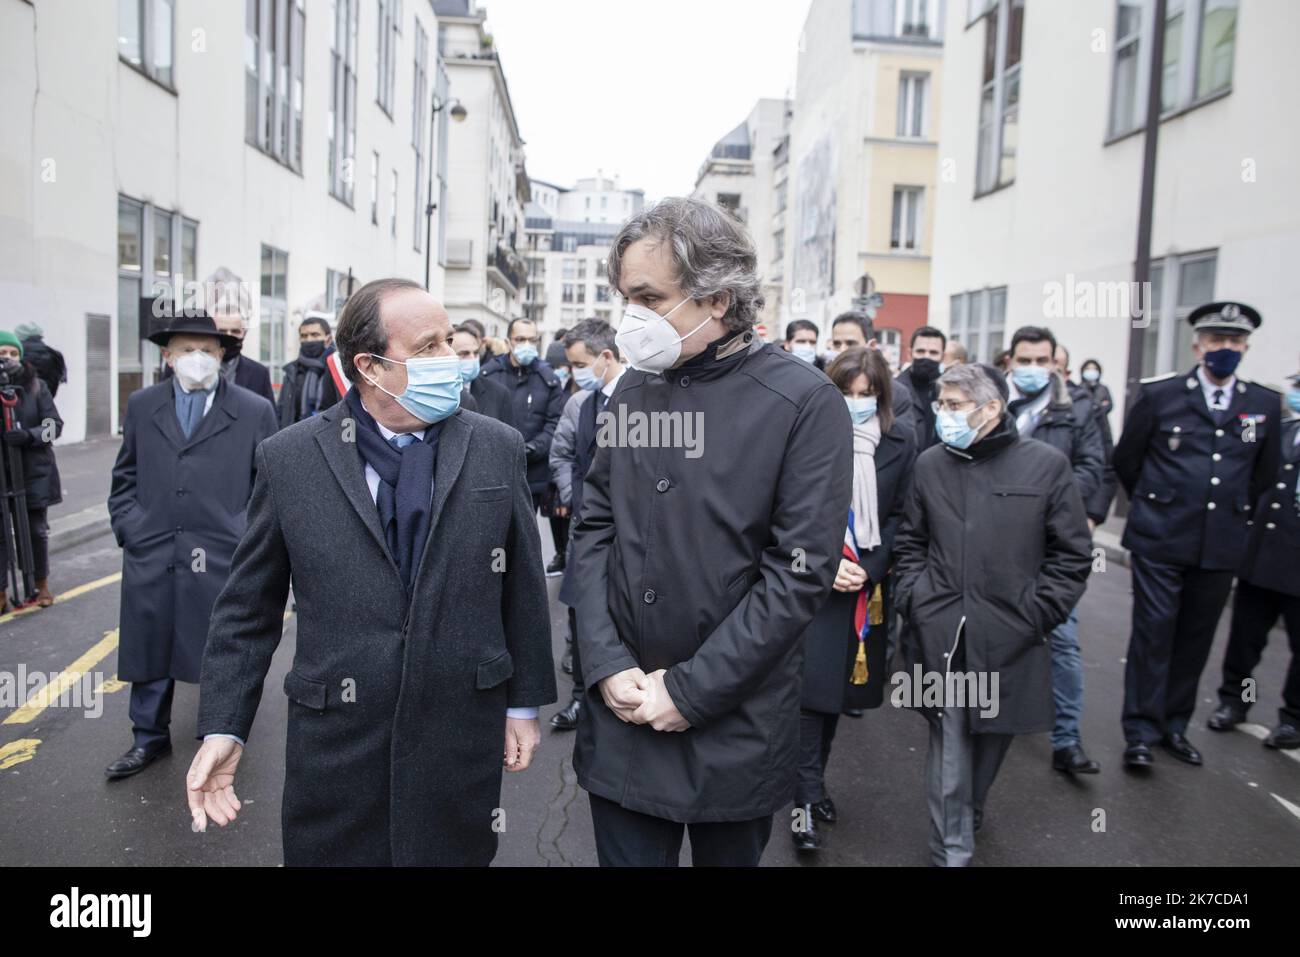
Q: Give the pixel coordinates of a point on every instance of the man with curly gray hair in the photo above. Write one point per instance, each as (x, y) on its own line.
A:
(710, 531)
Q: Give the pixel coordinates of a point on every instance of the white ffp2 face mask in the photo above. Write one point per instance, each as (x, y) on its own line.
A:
(648, 339)
(196, 370)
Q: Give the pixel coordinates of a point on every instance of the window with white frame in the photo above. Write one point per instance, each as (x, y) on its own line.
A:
(913, 92)
(144, 37)
(342, 118)
(273, 78)
(978, 321)
(374, 188)
(905, 231)
(999, 111)
(392, 204)
(419, 116)
(1185, 282)
(1199, 44)
(915, 20)
(273, 310)
(390, 19)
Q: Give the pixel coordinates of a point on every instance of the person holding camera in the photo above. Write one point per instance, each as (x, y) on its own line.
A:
(35, 425)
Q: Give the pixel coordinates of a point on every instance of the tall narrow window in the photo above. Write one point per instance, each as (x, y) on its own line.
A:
(273, 309)
(374, 188)
(273, 72)
(999, 111)
(392, 204)
(419, 120)
(342, 117)
(913, 89)
(905, 231)
(145, 37)
(386, 52)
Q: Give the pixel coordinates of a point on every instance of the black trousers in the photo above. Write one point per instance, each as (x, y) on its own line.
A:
(630, 839)
(1254, 612)
(36, 520)
(151, 710)
(578, 687)
(1175, 611)
(816, 731)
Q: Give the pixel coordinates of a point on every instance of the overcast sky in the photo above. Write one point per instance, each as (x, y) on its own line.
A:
(640, 88)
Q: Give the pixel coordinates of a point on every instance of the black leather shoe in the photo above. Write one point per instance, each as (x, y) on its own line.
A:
(136, 760)
(567, 719)
(1178, 745)
(979, 819)
(1225, 718)
(824, 810)
(1074, 760)
(808, 839)
(1284, 736)
(1138, 756)
(853, 712)
(566, 662)
(556, 566)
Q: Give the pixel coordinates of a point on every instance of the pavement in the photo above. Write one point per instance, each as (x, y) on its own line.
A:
(56, 808)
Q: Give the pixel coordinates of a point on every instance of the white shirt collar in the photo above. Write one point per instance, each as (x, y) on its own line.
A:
(608, 388)
(1208, 388)
(388, 433)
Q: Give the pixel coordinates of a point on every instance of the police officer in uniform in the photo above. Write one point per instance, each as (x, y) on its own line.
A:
(1197, 451)
(1268, 587)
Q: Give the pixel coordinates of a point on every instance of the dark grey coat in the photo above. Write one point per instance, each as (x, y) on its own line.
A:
(34, 410)
(1000, 541)
(710, 567)
(170, 496)
(397, 708)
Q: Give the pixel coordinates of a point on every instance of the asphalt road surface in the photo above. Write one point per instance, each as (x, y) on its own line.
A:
(57, 808)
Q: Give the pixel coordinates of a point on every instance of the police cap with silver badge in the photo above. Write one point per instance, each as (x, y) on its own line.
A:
(1225, 316)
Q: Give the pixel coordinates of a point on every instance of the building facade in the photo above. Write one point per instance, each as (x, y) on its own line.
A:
(739, 175)
(1038, 212)
(568, 232)
(158, 147)
(487, 181)
(861, 163)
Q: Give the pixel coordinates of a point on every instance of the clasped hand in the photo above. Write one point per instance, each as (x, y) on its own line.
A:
(640, 698)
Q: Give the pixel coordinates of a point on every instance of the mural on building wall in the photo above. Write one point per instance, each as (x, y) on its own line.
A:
(814, 252)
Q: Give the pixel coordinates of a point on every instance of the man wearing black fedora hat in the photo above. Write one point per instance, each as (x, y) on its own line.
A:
(1197, 451)
(180, 486)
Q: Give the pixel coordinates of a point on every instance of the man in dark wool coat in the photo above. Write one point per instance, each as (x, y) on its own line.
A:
(423, 640)
(180, 485)
(711, 528)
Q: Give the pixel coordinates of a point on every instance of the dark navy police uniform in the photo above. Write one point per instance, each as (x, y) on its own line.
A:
(1193, 475)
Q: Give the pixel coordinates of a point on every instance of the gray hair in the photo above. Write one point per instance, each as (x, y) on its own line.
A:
(712, 254)
(596, 335)
(973, 382)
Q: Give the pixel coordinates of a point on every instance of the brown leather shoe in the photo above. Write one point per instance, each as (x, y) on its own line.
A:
(44, 599)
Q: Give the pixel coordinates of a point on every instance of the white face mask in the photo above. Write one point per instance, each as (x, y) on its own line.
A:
(196, 370)
(648, 339)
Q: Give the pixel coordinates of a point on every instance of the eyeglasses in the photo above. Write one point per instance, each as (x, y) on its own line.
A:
(947, 405)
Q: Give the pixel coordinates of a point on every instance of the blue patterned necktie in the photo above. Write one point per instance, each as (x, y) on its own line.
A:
(400, 442)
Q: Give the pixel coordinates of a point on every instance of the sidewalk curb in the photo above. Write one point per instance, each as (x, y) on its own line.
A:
(78, 528)
(1108, 542)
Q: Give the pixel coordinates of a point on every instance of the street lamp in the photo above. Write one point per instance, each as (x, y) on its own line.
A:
(458, 113)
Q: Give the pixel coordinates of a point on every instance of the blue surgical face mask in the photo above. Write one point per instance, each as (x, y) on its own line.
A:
(588, 378)
(1222, 362)
(1293, 401)
(1091, 376)
(526, 354)
(469, 369)
(861, 409)
(805, 352)
(1030, 380)
(829, 356)
(432, 387)
(562, 374)
(954, 428)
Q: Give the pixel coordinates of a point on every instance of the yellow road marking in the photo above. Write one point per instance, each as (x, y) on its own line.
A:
(64, 596)
(16, 752)
(73, 674)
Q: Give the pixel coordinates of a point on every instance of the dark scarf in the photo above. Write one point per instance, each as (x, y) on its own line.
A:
(405, 493)
(1003, 435)
(311, 374)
